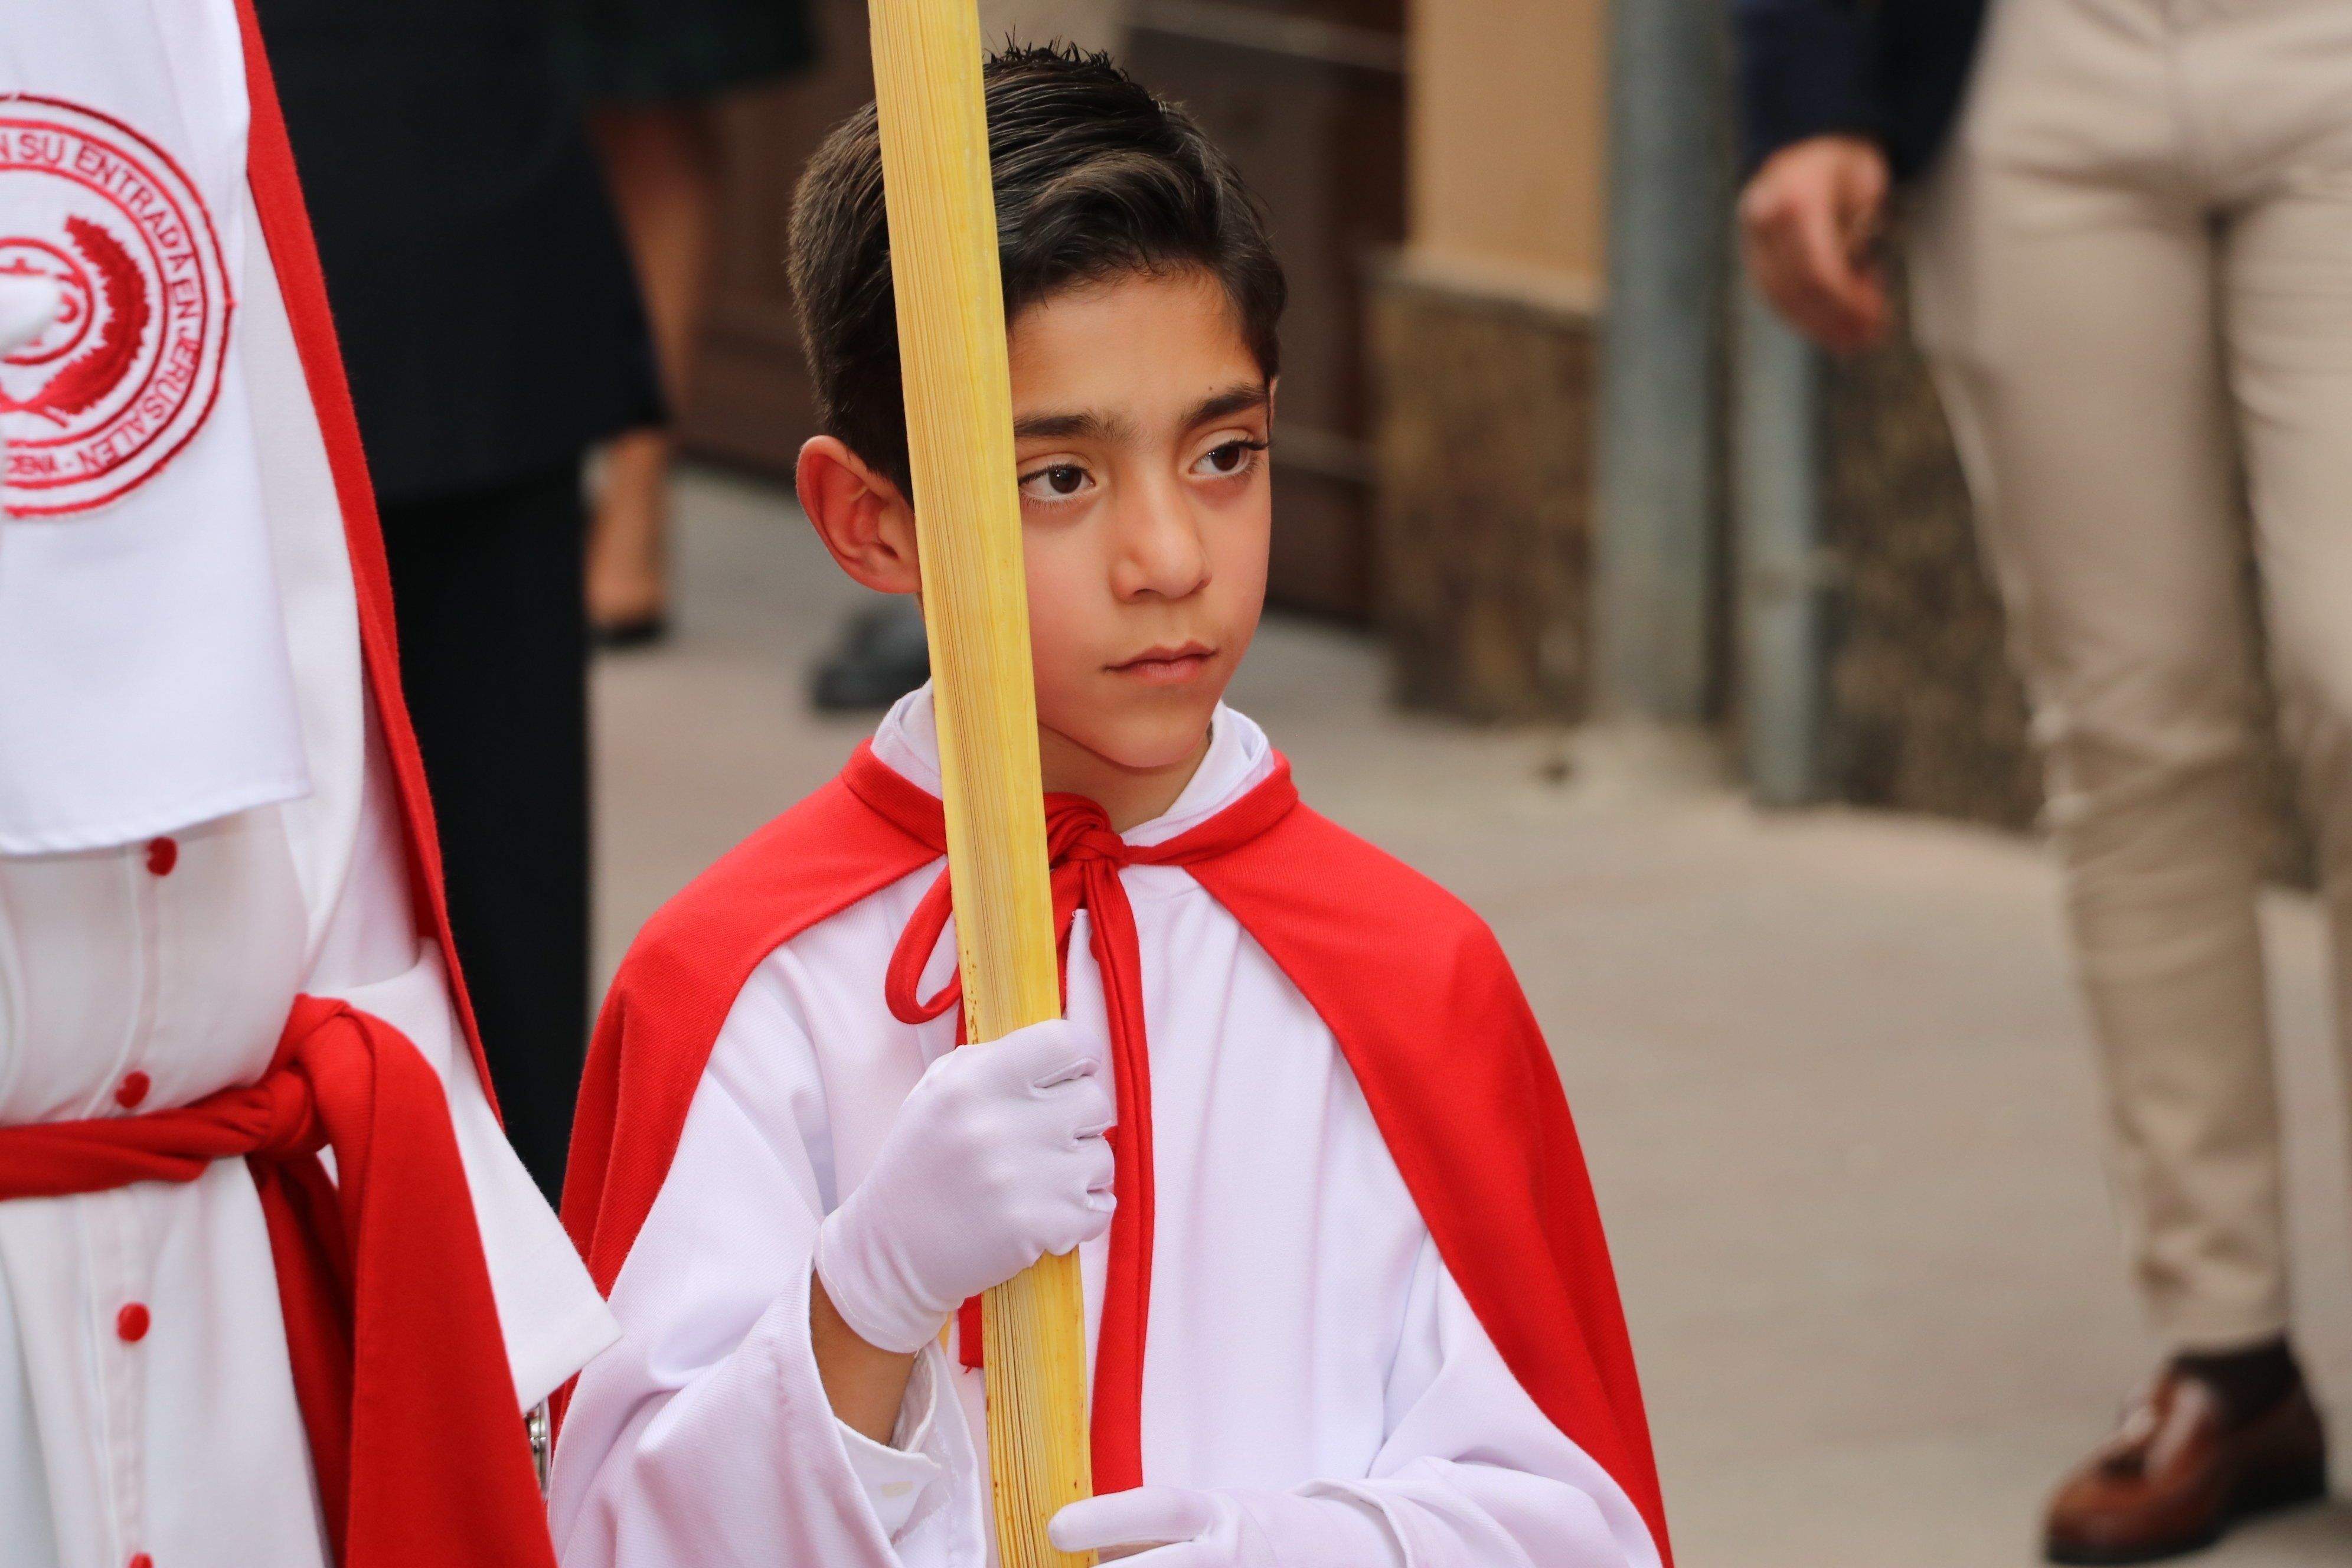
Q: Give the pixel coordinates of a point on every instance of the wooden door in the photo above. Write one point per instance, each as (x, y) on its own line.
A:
(751, 402)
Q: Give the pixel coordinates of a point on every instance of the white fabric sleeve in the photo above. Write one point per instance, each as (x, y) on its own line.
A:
(1471, 1474)
(705, 1438)
(899, 1477)
(371, 956)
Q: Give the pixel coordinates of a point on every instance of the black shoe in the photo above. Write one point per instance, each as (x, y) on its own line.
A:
(645, 631)
(882, 656)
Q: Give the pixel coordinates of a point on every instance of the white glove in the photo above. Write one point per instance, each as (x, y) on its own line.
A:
(996, 1159)
(1171, 1527)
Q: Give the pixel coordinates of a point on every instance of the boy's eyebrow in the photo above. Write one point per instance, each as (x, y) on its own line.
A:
(1085, 426)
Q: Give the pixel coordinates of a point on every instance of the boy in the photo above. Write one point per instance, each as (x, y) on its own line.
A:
(222, 939)
(1348, 1301)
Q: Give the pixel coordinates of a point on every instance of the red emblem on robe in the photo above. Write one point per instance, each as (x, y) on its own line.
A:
(127, 370)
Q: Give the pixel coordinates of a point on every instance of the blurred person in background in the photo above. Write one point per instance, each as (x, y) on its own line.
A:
(2131, 261)
(492, 333)
(654, 72)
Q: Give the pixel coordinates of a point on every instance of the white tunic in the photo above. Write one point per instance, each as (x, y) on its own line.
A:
(157, 973)
(1303, 1331)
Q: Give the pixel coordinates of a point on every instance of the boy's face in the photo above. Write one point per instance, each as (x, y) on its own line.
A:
(1140, 421)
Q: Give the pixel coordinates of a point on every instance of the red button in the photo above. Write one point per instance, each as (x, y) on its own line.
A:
(131, 1323)
(131, 1091)
(163, 854)
(141, 1561)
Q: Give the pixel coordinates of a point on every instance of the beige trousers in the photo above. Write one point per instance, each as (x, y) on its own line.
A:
(2133, 274)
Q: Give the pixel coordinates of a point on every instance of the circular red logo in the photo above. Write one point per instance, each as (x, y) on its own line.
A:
(127, 371)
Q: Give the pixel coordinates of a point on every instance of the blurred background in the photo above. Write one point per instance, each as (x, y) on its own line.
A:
(1664, 641)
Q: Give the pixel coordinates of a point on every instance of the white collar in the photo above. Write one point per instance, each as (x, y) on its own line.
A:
(1238, 757)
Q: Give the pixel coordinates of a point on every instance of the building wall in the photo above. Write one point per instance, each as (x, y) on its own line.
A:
(1506, 135)
(1484, 344)
(1924, 713)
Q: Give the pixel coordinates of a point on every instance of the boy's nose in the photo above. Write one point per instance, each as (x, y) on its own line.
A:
(1162, 554)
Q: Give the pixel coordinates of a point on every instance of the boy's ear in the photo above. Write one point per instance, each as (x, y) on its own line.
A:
(861, 516)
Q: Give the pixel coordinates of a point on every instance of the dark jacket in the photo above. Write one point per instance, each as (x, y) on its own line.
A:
(487, 314)
(1892, 69)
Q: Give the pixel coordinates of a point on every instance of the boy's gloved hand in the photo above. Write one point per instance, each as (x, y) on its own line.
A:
(996, 1159)
(1172, 1527)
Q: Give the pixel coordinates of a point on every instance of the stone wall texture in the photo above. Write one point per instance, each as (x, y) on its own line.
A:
(1925, 714)
(1484, 431)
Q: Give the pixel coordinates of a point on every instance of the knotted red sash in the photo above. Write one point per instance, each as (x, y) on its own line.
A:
(400, 1368)
(1087, 858)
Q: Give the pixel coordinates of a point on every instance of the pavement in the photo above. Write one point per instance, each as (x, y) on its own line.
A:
(1829, 1071)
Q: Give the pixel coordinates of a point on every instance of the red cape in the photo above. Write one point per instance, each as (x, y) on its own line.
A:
(1411, 983)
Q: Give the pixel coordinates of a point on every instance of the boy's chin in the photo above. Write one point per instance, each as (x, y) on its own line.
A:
(1146, 742)
(1154, 748)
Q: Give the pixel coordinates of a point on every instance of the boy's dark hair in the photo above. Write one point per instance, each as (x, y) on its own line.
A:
(1095, 178)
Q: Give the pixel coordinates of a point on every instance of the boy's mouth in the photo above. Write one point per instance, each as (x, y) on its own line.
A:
(1170, 665)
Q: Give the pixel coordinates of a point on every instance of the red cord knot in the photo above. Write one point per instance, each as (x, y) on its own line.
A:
(1079, 845)
(1077, 830)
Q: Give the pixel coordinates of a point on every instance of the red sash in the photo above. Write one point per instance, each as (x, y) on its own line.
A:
(399, 1364)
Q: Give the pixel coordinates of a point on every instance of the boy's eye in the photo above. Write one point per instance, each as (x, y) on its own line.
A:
(1230, 459)
(1058, 482)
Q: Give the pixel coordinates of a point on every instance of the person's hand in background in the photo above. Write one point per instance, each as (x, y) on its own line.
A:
(1809, 226)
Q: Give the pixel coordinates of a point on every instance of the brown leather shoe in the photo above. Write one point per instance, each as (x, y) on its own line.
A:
(2176, 1475)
